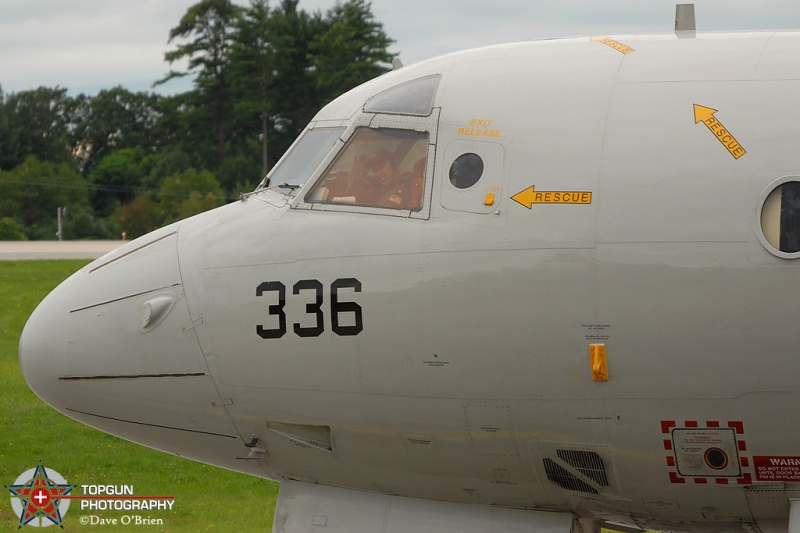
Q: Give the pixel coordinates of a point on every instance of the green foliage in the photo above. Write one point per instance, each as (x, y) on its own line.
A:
(260, 74)
(251, 74)
(11, 193)
(140, 216)
(189, 193)
(210, 22)
(10, 230)
(209, 25)
(291, 32)
(35, 123)
(169, 161)
(239, 174)
(80, 223)
(352, 49)
(117, 179)
(32, 193)
(114, 119)
(206, 498)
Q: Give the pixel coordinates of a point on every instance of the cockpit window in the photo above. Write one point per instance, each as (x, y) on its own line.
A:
(376, 168)
(410, 98)
(303, 158)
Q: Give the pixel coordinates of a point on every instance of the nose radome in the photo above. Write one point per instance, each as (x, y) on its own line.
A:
(114, 346)
(90, 324)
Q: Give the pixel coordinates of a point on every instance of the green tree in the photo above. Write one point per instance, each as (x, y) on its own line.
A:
(239, 173)
(4, 132)
(351, 50)
(10, 230)
(36, 123)
(261, 73)
(189, 193)
(140, 216)
(294, 93)
(40, 188)
(114, 119)
(168, 161)
(252, 67)
(287, 63)
(11, 193)
(208, 27)
(118, 178)
(80, 223)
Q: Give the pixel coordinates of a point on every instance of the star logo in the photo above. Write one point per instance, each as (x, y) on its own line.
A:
(38, 497)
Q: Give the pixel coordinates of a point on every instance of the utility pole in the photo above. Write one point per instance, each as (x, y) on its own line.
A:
(61, 213)
(264, 163)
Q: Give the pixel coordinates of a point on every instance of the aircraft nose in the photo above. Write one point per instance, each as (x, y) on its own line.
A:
(114, 347)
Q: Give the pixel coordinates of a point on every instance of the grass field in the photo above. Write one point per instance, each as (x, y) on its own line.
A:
(206, 498)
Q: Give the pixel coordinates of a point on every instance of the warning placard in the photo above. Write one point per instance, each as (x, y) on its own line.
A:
(707, 452)
(780, 468)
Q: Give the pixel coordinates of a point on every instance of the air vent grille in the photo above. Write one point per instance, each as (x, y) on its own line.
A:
(566, 479)
(590, 464)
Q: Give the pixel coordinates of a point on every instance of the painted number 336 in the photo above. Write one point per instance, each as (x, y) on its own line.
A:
(312, 289)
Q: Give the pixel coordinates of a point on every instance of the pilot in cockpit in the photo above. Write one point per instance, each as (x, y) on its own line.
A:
(374, 180)
(382, 183)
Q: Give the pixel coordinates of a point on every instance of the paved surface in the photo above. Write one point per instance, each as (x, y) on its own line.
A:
(26, 250)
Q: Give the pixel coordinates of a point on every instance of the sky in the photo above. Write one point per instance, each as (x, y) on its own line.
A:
(90, 45)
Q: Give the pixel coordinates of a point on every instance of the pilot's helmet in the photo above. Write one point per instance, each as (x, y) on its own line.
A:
(379, 157)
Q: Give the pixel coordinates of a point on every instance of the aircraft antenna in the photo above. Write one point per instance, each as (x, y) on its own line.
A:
(685, 26)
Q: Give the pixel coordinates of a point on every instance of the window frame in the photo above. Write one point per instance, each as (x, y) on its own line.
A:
(313, 127)
(760, 233)
(427, 125)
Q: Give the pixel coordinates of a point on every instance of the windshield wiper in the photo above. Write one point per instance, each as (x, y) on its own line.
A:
(289, 186)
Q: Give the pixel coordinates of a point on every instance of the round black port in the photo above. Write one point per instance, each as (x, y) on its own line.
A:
(466, 170)
(716, 458)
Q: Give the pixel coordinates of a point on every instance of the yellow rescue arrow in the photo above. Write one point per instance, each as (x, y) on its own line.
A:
(616, 45)
(529, 196)
(706, 116)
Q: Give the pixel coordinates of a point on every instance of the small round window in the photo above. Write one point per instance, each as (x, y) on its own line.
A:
(466, 170)
(780, 219)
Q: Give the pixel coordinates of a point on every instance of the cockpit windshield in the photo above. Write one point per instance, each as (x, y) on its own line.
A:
(382, 168)
(303, 159)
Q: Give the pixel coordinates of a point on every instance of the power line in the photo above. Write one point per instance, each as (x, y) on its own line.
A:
(106, 188)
